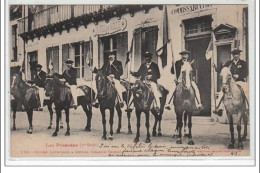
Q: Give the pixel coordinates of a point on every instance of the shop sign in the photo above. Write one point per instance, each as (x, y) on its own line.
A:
(190, 8)
(110, 28)
(33, 44)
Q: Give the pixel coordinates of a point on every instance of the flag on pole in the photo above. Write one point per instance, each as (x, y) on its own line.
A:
(209, 51)
(130, 53)
(50, 66)
(163, 38)
(89, 57)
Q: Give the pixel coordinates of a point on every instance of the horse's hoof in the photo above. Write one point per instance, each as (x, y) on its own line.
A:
(244, 138)
(159, 134)
(130, 132)
(54, 134)
(104, 138)
(29, 131)
(110, 138)
(147, 140)
(61, 127)
(117, 131)
(231, 146)
(191, 142)
(67, 133)
(14, 128)
(240, 146)
(178, 141)
(49, 127)
(87, 129)
(136, 140)
(154, 133)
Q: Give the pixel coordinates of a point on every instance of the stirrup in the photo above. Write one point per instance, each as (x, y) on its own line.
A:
(219, 112)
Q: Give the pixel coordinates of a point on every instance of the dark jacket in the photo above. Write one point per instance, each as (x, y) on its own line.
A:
(70, 76)
(240, 68)
(40, 79)
(115, 68)
(143, 70)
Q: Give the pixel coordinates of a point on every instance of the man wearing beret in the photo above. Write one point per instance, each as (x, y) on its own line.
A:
(39, 82)
(150, 70)
(239, 71)
(178, 66)
(70, 76)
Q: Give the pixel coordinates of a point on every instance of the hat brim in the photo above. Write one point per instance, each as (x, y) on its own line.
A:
(69, 62)
(183, 53)
(236, 52)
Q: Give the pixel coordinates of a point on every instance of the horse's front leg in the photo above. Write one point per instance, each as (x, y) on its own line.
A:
(30, 119)
(189, 114)
(104, 137)
(51, 115)
(58, 115)
(156, 119)
(129, 122)
(14, 107)
(147, 124)
(185, 114)
(240, 144)
(88, 111)
(231, 128)
(159, 128)
(67, 112)
(61, 122)
(119, 112)
(179, 127)
(245, 120)
(111, 122)
(138, 123)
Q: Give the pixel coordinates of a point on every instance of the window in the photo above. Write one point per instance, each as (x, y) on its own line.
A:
(52, 55)
(196, 26)
(32, 58)
(14, 42)
(119, 44)
(77, 58)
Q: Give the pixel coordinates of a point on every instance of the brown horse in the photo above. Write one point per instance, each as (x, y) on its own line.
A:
(184, 102)
(27, 95)
(143, 99)
(235, 103)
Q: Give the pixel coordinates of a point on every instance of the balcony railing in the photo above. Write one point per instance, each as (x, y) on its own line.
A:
(56, 14)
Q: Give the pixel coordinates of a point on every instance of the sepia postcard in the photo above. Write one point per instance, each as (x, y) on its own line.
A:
(129, 82)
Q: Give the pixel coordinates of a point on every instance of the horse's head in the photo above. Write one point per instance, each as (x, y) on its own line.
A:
(101, 82)
(186, 72)
(226, 78)
(16, 81)
(142, 93)
(49, 87)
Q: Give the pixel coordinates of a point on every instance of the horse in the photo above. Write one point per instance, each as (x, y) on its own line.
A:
(107, 98)
(234, 100)
(27, 95)
(61, 95)
(184, 102)
(143, 99)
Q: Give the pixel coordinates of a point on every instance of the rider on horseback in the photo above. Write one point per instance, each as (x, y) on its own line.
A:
(113, 70)
(239, 71)
(149, 72)
(178, 66)
(70, 76)
(39, 82)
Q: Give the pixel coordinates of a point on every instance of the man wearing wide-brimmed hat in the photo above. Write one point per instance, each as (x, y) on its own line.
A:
(185, 58)
(150, 70)
(39, 82)
(70, 76)
(239, 71)
(113, 70)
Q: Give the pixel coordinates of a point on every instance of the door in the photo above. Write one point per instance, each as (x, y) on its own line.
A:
(52, 55)
(32, 62)
(202, 72)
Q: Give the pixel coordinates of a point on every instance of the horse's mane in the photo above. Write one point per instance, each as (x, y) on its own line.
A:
(225, 70)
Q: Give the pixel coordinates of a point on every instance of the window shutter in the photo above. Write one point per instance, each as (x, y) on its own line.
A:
(122, 45)
(65, 55)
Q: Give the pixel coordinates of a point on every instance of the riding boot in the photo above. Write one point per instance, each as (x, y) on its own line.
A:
(120, 99)
(95, 103)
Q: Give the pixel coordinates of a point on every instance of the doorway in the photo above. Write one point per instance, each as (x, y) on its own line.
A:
(202, 72)
(32, 62)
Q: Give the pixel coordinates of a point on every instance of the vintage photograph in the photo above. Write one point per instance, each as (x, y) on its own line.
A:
(129, 81)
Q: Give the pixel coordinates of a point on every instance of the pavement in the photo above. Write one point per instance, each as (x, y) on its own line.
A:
(213, 135)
